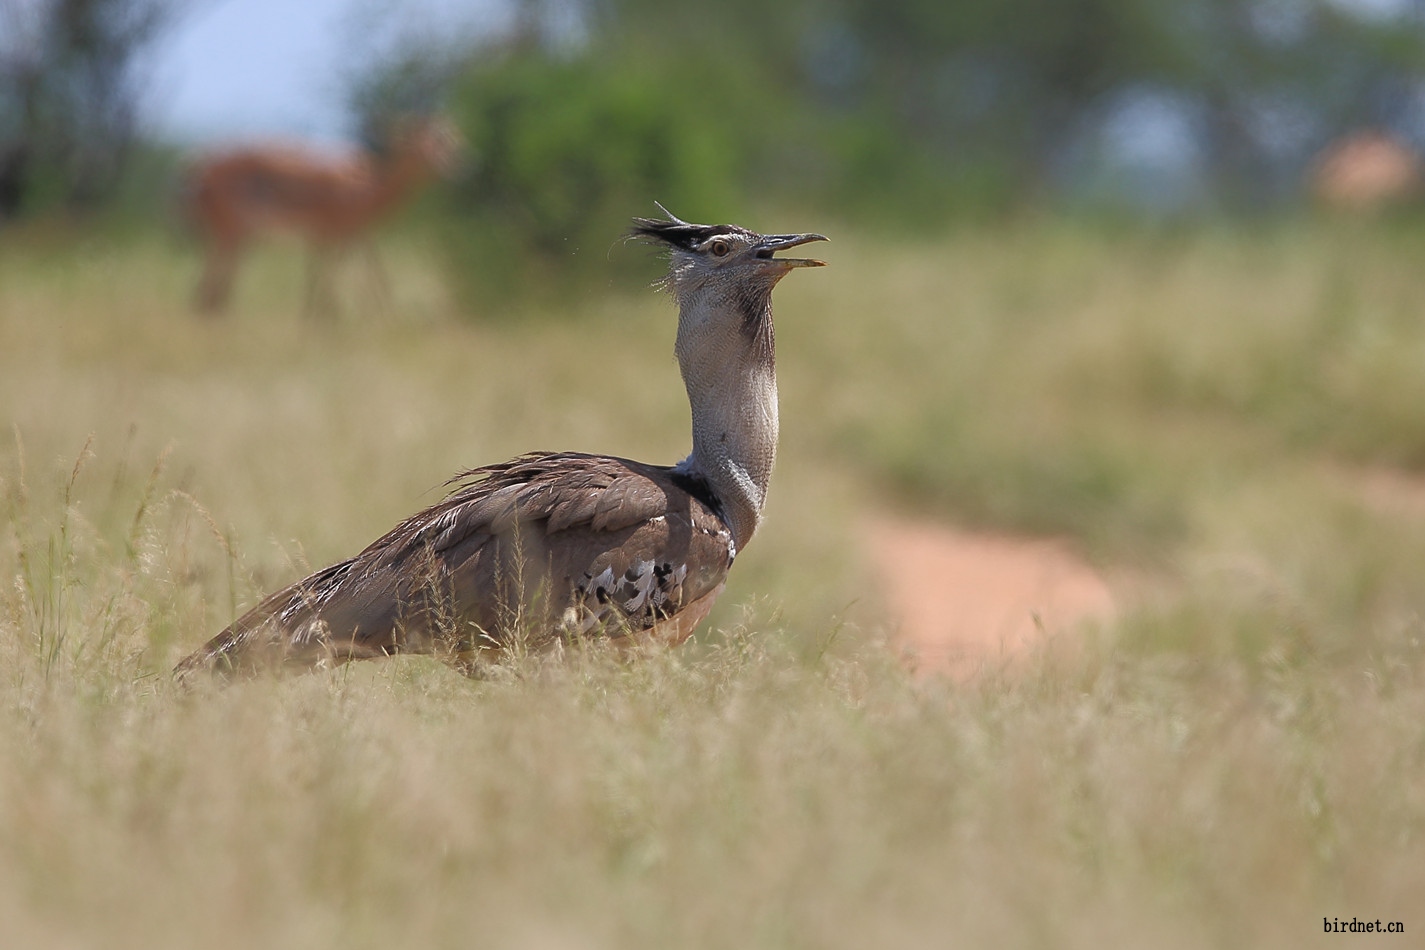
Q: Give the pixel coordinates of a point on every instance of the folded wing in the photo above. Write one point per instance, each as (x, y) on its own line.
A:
(527, 551)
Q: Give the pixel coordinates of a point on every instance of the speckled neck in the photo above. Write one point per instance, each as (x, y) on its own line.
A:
(729, 369)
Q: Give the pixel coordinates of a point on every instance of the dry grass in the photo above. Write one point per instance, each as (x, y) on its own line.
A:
(1242, 756)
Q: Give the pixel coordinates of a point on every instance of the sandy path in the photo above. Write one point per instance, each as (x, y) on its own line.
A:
(1387, 491)
(965, 600)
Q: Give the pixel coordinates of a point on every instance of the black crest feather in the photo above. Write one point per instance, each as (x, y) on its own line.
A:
(675, 232)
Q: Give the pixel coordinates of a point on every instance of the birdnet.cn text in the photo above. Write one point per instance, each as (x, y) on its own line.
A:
(1335, 925)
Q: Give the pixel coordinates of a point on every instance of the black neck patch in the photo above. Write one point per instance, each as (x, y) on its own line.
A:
(697, 486)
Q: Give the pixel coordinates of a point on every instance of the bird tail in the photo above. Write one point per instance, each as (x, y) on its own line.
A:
(317, 622)
(284, 630)
(234, 653)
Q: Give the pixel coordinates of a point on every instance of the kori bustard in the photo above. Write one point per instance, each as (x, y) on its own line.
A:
(555, 545)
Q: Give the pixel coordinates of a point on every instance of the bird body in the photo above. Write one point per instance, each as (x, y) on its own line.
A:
(556, 545)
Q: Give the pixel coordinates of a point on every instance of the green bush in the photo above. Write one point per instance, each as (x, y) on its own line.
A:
(562, 153)
(565, 150)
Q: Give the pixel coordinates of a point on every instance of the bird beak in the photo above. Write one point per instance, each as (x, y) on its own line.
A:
(773, 243)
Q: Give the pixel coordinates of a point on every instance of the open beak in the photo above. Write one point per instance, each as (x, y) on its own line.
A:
(772, 243)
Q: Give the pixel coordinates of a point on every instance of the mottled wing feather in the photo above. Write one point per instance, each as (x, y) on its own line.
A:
(621, 504)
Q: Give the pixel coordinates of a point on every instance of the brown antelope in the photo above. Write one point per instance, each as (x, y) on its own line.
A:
(332, 202)
(1369, 171)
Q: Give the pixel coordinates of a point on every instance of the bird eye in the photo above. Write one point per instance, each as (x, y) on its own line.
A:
(720, 248)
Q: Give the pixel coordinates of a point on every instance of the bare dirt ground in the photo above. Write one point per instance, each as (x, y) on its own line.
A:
(1387, 491)
(967, 600)
(964, 600)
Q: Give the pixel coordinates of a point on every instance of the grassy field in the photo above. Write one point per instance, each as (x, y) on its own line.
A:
(1224, 419)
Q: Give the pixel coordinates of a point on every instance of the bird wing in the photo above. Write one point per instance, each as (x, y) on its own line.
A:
(543, 545)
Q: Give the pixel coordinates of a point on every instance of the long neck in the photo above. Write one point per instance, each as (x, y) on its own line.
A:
(730, 373)
(394, 180)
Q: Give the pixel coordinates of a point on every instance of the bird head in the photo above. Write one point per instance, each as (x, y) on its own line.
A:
(722, 276)
(713, 256)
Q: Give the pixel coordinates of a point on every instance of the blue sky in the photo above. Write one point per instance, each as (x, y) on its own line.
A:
(243, 69)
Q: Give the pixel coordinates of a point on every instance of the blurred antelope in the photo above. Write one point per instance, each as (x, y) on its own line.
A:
(236, 196)
(1366, 172)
